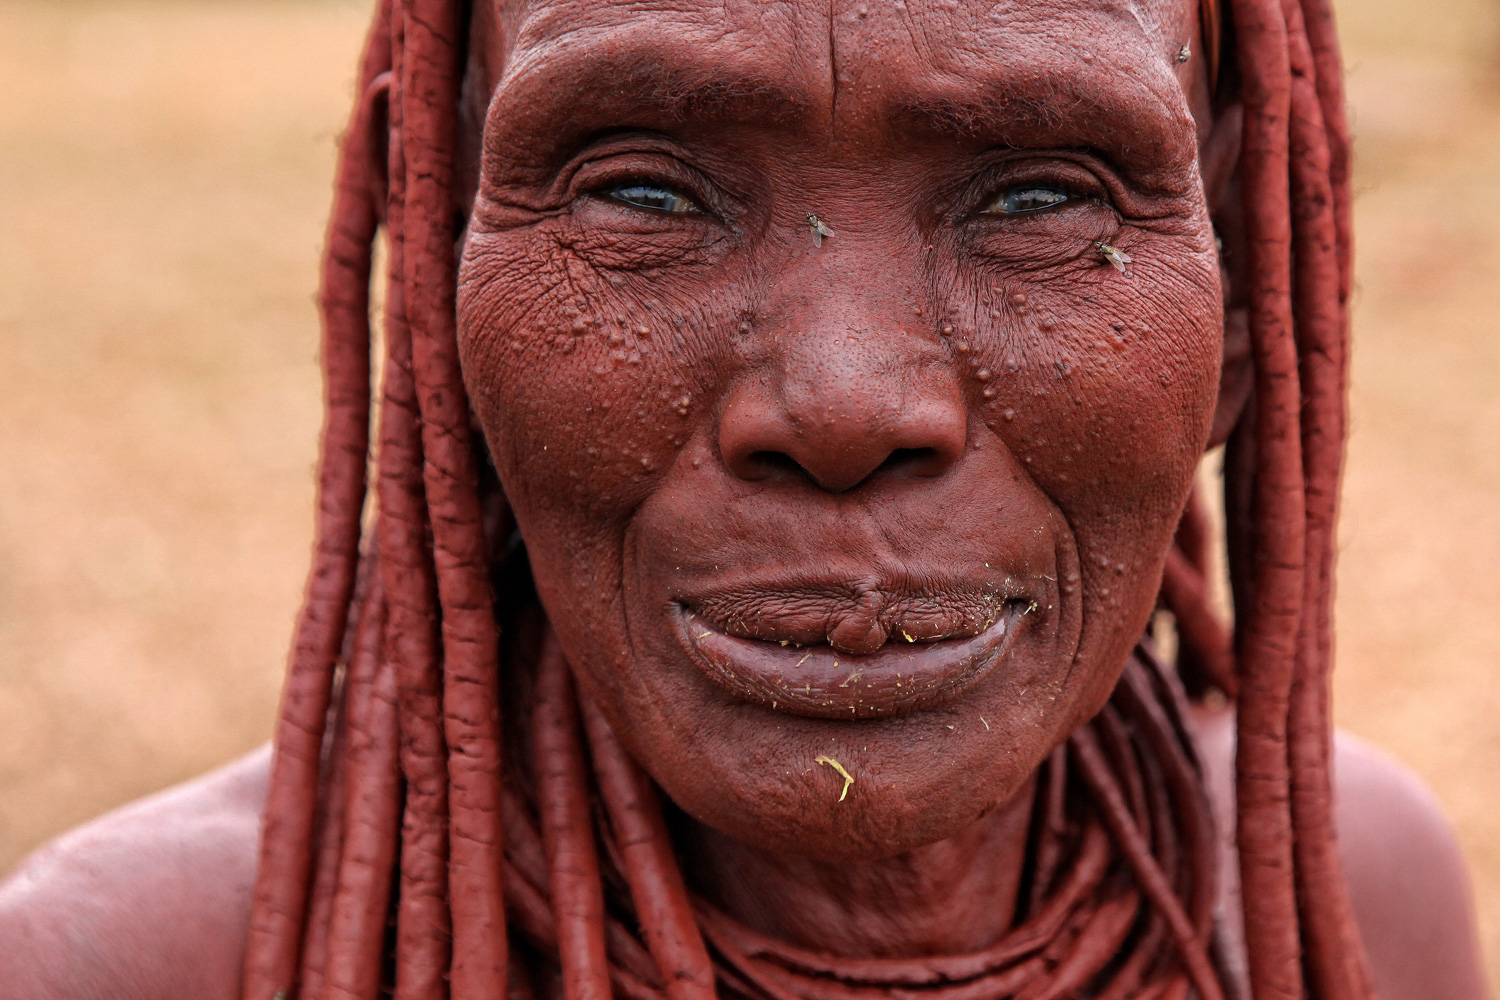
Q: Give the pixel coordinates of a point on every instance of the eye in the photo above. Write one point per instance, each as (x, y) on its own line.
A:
(1019, 200)
(653, 198)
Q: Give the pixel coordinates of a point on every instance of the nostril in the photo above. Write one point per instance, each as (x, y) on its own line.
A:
(907, 462)
(922, 462)
(771, 465)
(784, 437)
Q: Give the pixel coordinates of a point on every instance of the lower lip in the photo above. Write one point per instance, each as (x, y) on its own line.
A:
(822, 683)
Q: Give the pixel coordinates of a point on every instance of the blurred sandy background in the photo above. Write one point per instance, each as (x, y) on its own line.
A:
(164, 171)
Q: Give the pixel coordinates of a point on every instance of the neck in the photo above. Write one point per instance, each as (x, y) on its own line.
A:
(954, 896)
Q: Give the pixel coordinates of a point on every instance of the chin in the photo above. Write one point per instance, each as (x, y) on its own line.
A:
(767, 777)
(901, 811)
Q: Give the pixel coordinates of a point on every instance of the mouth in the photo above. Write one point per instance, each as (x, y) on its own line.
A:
(818, 681)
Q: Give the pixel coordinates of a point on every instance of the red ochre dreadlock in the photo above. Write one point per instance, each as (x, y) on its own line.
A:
(395, 860)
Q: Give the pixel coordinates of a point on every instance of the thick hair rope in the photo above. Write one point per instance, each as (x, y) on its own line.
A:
(402, 856)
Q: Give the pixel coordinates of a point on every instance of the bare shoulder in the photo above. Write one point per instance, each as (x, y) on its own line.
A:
(1407, 876)
(150, 901)
(1408, 881)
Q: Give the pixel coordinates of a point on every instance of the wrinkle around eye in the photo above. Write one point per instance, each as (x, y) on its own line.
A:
(1040, 241)
(641, 250)
(598, 233)
(495, 214)
(1026, 253)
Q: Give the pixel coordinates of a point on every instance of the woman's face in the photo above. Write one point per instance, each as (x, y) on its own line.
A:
(898, 498)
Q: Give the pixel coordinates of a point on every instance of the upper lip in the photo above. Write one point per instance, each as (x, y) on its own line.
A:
(840, 650)
(854, 616)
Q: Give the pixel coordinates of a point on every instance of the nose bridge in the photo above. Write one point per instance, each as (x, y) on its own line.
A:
(850, 383)
(858, 346)
(824, 370)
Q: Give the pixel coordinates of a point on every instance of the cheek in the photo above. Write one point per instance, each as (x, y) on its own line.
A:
(585, 391)
(590, 387)
(1110, 408)
(1103, 388)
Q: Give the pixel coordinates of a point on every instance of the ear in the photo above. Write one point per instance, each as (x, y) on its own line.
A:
(1219, 161)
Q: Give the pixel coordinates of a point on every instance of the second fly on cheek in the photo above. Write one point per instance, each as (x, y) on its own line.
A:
(1042, 200)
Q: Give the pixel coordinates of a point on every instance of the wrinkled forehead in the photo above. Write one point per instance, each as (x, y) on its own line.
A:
(854, 32)
(952, 64)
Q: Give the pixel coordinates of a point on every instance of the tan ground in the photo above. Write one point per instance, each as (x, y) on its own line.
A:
(163, 178)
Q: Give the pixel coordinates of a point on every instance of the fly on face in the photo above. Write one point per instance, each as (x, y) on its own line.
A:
(1185, 53)
(819, 230)
(1117, 258)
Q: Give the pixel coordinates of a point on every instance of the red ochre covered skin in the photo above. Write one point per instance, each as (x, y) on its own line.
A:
(823, 675)
(707, 411)
(954, 419)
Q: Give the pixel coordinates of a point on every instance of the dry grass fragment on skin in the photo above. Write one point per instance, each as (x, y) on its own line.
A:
(823, 758)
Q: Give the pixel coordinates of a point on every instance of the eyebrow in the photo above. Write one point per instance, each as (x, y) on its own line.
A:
(584, 90)
(1042, 108)
(1027, 89)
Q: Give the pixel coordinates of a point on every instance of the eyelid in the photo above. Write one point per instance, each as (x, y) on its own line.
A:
(995, 206)
(1072, 172)
(608, 188)
(635, 161)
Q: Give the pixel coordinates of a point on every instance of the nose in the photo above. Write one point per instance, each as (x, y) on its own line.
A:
(840, 413)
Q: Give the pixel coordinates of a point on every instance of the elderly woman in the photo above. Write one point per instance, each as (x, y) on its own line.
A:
(789, 420)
